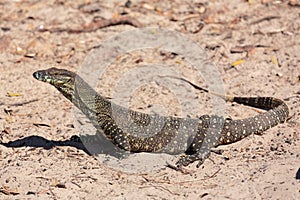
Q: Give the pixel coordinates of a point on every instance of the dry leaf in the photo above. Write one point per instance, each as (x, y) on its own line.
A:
(54, 182)
(238, 62)
(11, 94)
(178, 61)
(20, 51)
(30, 55)
(4, 43)
(148, 6)
(274, 60)
(9, 119)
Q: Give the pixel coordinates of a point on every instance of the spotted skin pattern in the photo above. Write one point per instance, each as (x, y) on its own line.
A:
(139, 132)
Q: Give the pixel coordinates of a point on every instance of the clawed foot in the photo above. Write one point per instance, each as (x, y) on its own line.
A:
(185, 160)
(201, 156)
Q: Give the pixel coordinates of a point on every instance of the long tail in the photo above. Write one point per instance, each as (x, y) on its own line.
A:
(234, 130)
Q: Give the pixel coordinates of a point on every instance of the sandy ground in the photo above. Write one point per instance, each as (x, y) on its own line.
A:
(39, 157)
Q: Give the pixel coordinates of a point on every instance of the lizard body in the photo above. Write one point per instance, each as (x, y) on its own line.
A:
(140, 132)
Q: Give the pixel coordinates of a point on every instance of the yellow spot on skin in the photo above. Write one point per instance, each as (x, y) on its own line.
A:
(228, 134)
(160, 145)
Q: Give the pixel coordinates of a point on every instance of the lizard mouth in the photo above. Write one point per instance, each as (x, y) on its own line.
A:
(41, 75)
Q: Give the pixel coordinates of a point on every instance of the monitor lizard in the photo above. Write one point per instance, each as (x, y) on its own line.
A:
(140, 132)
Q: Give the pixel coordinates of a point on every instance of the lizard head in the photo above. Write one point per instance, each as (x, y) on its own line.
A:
(63, 80)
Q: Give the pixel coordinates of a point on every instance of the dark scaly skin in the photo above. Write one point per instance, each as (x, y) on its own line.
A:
(139, 132)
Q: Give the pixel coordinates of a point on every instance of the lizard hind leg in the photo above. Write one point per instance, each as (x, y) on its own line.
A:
(208, 134)
(203, 142)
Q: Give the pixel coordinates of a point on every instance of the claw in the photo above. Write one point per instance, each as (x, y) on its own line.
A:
(177, 167)
(217, 151)
(199, 163)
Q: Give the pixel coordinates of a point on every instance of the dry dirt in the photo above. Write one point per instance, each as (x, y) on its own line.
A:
(39, 158)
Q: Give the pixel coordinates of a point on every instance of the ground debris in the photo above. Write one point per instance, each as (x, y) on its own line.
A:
(8, 191)
(97, 24)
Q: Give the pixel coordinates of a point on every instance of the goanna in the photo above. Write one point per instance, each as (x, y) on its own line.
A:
(140, 132)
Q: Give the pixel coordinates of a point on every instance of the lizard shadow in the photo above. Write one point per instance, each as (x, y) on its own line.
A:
(38, 141)
(91, 144)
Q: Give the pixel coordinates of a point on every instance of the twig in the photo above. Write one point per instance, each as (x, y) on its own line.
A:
(213, 175)
(52, 192)
(24, 103)
(268, 18)
(7, 191)
(93, 26)
(290, 117)
(246, 48)
(88, 177)
(183, 182)
(189, 82)
(76, 184)
(158, 186)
